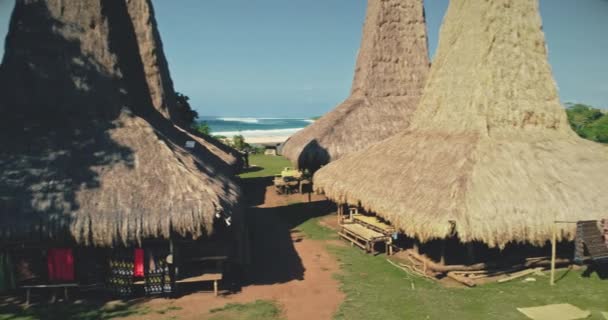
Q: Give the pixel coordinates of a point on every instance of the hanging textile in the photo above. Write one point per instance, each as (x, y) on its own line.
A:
(60, 262)
(139, 263)
(158, 277)
(30, 265)
(7, 272)
(121, 273)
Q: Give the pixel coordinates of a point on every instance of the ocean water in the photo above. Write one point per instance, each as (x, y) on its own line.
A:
(255, 127)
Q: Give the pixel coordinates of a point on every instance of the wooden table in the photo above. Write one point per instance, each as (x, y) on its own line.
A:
(362, 237)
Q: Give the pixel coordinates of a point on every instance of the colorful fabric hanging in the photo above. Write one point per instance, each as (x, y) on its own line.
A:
(158, 277)
(121, 273)
(139, 262)
(7, 273)
(60, 262)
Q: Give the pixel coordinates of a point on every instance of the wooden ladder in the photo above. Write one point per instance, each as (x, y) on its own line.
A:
(590, 237)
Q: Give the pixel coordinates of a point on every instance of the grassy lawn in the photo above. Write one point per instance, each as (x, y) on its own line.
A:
(377, 290)
(265, 166)
(267, 310)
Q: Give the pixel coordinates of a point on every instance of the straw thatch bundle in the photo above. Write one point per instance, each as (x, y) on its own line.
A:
(153, 58)
(85, 155)
(389, 77)
(158, 79)
(489, 155)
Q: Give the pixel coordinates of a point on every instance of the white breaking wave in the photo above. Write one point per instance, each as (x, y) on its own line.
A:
(259, 133)
(244, 120)
(257, 120)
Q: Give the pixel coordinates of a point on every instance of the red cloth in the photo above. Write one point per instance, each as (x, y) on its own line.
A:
(61, 264)
(139, 263)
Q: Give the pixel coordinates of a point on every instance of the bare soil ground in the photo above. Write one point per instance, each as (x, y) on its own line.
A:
(286, 267)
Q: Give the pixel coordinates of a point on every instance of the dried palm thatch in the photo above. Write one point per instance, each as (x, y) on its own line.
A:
(230, 158)
(85, 155)
(489, 155)
(153, 58)
(158, 79)
(389, 77)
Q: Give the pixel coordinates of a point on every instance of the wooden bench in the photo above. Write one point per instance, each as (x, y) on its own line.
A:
(65, 287)
(363, 237)
(374, 223)
(206, 277)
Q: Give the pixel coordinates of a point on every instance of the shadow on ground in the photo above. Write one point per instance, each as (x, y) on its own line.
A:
(93, 308)
(271, 230)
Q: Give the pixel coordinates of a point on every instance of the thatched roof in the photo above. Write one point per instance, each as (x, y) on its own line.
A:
(389, 77)
(489, 148)
(153, 58)
(231, 159)
(158, 79)
(85, 155)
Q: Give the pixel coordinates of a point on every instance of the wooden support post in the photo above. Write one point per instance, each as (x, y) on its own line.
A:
(174, 264)
(215, 290)
(471, 252)
(553, 253)
(416, 247)
(65, 294)
(27, 297)
(443, 244)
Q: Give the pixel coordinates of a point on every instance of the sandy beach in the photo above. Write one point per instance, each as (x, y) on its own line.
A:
(267, 139)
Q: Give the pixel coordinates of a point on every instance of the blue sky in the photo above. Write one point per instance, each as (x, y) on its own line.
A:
(296, 57)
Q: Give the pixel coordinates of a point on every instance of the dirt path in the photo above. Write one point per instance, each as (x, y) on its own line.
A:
(286, 267)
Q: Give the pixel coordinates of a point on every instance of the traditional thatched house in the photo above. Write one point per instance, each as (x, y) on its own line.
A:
(160, 85)
(389, 77)
(489, 155)
(86, 159)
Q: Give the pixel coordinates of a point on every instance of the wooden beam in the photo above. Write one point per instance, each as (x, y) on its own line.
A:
(520, 274)
(462, 279)
(553, 253)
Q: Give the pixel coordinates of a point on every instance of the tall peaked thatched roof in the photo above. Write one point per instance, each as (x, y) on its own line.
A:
(489, 151)
(85, 154)
(158, 79)
(389, 77)
(153, 58)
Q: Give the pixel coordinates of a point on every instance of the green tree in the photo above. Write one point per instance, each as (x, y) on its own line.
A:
(238, 142)
(598, 130)
(185, 114)
(588, 122)
(203, 128)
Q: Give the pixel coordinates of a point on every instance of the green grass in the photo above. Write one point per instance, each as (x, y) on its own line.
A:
(270, 165)
(310, 227)
(313, 230)
(261, 309)
(377, 290)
